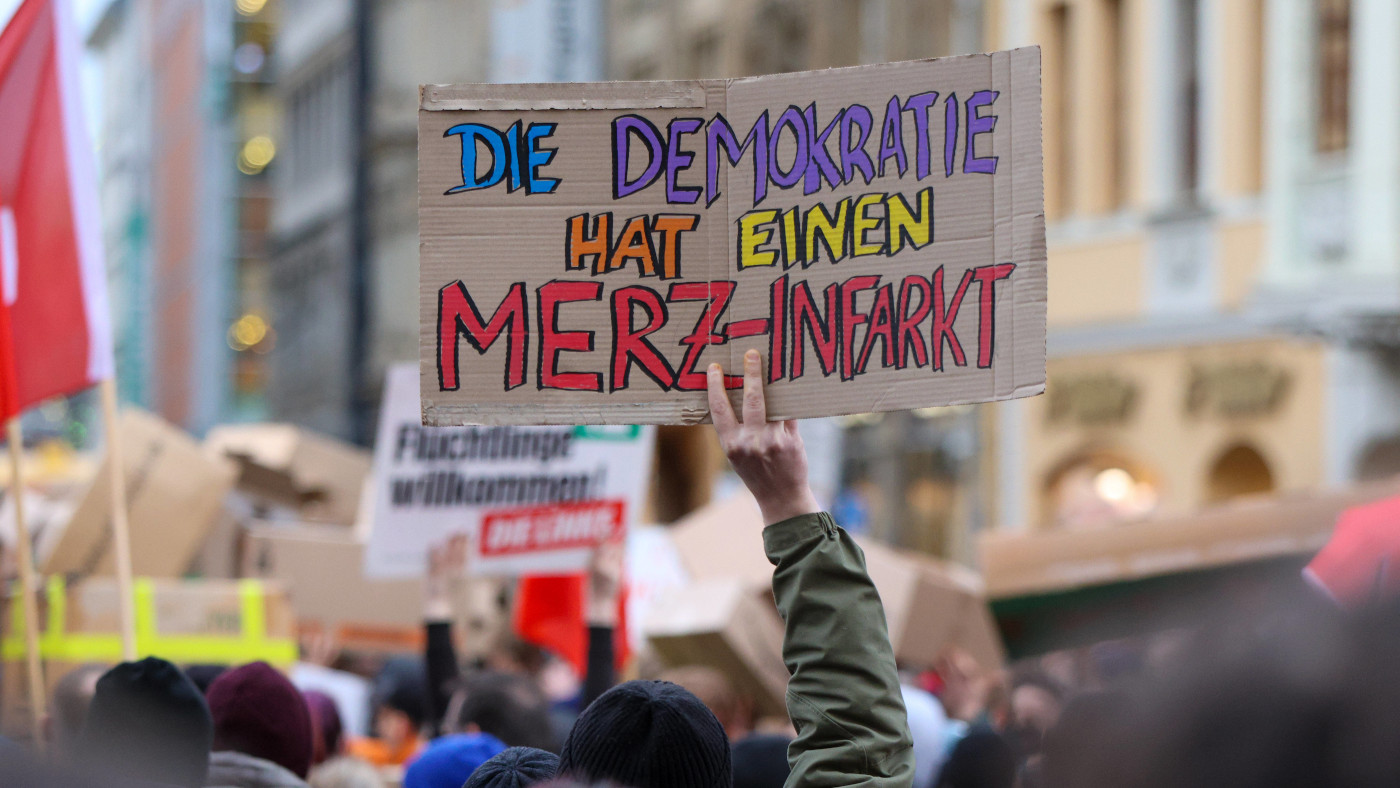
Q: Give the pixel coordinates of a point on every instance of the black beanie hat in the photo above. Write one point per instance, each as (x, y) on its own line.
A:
(518, 767)
(648, 734)
(760, 761)
(148, 721)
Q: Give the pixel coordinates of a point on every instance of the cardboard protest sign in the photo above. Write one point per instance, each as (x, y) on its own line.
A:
(536, 500)
(876, 232)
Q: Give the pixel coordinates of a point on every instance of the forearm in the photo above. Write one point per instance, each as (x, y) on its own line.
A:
(440, 660)
(843, 695)
(600, 676)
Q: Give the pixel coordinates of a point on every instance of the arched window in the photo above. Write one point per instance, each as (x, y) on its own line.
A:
(1096, 487)
(1380, 460)
(1239, 470)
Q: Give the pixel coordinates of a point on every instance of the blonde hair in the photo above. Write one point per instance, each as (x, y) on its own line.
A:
(345, 772)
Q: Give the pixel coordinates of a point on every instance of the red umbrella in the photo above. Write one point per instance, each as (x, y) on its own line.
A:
(1361, 562)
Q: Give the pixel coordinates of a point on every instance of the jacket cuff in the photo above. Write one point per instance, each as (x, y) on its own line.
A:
(782, 537)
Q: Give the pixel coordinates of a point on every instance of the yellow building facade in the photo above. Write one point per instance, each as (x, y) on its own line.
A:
(1224, 260)
(1217, 327)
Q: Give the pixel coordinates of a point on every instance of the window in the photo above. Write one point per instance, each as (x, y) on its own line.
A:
(1187, 98)
(642, 69)
(319, 123)
(705, 56)
(1253, 134)
(1333, 75)
(874, 30)
(1380, 460)
(1059, 112)
(1097, 488)
(1116, 77)
(776, 41)
(910, 478)
(1239, 470)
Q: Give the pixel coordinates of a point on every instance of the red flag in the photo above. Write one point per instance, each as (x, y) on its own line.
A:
(549, 612)
(55, 332)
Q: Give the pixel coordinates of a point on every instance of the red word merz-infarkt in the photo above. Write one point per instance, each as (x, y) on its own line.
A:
(909, 321)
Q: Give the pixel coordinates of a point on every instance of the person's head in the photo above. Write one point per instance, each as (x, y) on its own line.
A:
(734, 711)
(329, 736)
(147, 721)
(1086, 747)
(981, 759)
(344, 772)
(1273, 696)
(512, 654)
(1035, 703)
(517, 767)
(400, 700)
(760, 761)
(204, 675)
(258, 712)
(508, 706)
(648, 734)
(447, 762)
(69, 705)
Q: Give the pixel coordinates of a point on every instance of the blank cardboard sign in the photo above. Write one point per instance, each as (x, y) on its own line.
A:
(877, 233)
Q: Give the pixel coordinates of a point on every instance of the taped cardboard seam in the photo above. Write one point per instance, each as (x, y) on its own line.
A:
(441, 98)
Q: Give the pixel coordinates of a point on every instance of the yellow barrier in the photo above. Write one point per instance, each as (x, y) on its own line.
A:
(251, 645)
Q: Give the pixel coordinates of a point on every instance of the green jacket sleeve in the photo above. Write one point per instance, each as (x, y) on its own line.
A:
(844, 696)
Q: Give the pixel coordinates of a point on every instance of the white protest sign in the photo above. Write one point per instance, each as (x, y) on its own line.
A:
(535, 500)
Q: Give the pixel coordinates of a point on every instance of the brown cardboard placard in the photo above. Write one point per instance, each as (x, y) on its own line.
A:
(174, 492)
(721, 624)
(321, 567)
(877, 233)
(293, 471)
(931, 606)
(1031, 563)
(724, 540)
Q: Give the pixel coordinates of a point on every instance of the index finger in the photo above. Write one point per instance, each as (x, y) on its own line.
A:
(755, 409)
(721, 413)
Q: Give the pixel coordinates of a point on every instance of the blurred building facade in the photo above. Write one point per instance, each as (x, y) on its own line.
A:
(344, 261)
(912, 478)
(313, 256)
(169, 204)
(1223, 246)
(1223, 190)
(1224, 256)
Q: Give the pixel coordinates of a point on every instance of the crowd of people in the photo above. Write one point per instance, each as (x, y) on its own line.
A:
(1304, 695)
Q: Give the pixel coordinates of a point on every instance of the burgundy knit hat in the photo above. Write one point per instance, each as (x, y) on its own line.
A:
(258, 712)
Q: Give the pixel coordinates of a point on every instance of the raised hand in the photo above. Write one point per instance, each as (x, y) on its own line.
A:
(768, 456)
(442, 585)
(605, 582)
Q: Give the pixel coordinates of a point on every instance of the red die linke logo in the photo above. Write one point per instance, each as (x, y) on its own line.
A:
(544, 528)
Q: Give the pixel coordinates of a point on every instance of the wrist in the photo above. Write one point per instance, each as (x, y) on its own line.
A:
(601, 613)
(776, 509)
(435, 610)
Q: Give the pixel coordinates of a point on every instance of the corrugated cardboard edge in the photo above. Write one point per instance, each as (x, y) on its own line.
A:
(504, 414)
(542, 96)
(668, 94)
(724, 539)
(1025, 564)
(722, 608)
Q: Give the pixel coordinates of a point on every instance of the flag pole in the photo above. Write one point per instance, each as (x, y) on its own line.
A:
(25, 555)
(121, 527)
